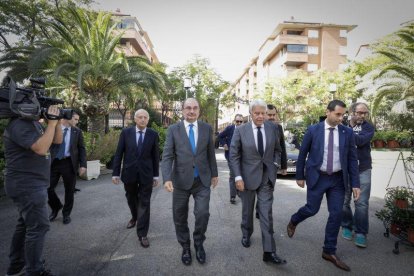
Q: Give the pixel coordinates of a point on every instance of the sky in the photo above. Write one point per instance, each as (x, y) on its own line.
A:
(230, 32)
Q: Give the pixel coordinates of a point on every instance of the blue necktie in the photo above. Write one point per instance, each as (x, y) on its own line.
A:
(61, 153)
(193, 145)
(140, 142)
(329, 162)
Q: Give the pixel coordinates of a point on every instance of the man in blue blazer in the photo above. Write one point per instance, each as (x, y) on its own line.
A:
(225, 140)
(138, 146)
(329, 156)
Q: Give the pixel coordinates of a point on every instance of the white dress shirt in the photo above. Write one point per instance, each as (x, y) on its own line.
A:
(336, 161)
(195, 130)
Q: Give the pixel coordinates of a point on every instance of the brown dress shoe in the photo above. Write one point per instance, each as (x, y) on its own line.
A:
(131, 224)
(336, 261)
(144, 242)
(291, 229)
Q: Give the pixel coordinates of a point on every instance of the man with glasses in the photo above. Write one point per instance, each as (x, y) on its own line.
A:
(225, 140)
(363, 132)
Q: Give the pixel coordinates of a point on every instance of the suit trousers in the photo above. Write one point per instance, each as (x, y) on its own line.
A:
(29, 237)
(139, 199)
(201, 195)
(264, 207)
(232, 183)
(333, 187)
(62, 168)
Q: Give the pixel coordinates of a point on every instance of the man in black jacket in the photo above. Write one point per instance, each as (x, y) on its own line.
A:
(138, 146)
(363, 133)
(68, 158)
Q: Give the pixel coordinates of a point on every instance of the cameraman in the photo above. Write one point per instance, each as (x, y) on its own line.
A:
(27, 177)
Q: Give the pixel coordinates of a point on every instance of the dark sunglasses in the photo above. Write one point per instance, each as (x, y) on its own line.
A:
(239, 122)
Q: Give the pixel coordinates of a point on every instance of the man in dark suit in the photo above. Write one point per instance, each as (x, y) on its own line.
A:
(189, 167)
(254, 158)
(329, 155)
(138, 147)
(68, 158)
(225, 141)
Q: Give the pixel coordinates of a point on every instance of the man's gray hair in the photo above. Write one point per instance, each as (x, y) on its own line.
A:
(255, 103)
(139, 111)
(355, 105)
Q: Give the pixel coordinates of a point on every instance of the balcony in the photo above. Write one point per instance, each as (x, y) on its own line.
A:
(280, 41)
(294, 59)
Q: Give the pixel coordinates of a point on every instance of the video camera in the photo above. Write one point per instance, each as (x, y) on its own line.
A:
(29, 102)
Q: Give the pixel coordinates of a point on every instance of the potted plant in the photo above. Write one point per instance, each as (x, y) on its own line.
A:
(92, 156)
(404, 138)
(400, 196)
(378, 139)
(391, 138)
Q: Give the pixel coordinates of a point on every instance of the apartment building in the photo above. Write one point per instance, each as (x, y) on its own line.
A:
(134, 42)
(291, 46)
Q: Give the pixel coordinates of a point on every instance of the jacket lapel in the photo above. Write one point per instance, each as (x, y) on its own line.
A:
(322, 139)
(250, 135)
(341, 134)
(133, 136)
(268, 136)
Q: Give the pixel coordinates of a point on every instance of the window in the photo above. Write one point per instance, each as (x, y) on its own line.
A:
(313, 50)
(293, 32)
(342, 50)
(343, 33)
(313, 33)
(295, 48)
(312, 67)
(342, 67)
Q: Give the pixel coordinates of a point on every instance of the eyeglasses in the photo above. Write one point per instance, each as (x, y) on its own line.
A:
(359, 113)
(239, 122)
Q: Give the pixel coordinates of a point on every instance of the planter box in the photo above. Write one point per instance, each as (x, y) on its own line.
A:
(392, 144)
(93, 169)
(395, 229)
(401, 203)
(379, 144)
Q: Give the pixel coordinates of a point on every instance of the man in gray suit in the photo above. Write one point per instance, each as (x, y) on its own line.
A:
(189, 167)
(255, 157)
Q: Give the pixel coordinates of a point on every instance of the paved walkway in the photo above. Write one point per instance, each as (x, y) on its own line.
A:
(98, 243)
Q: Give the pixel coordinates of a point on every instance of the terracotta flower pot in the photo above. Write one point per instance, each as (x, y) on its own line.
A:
(401, 203)
(379, 144)
(392, 144)
(410, 234)
(395, 229)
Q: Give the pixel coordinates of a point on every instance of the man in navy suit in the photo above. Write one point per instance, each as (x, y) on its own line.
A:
(225, 141)
(329, 155)
(139, 148)
(68, 158)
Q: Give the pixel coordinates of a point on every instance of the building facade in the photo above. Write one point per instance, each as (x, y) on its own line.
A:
(291, 46)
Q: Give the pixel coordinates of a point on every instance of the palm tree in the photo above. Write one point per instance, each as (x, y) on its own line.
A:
(84, 52)
(396, 78)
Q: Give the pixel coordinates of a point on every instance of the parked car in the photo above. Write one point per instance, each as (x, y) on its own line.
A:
(292, 158)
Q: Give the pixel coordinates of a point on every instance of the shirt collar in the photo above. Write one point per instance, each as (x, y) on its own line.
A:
(137, 129)
(186, 124)
(255, 127)
(63, 127)
(327, 126)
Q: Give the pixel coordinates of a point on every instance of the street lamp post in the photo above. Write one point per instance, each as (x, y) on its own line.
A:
(187, 86)
(332, 89)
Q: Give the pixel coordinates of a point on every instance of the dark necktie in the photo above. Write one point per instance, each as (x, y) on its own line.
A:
(260, 147)
(139, 147)
(329, 164)
(193, 145)
(61, 153)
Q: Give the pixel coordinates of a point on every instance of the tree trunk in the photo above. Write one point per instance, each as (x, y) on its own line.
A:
(96, 124)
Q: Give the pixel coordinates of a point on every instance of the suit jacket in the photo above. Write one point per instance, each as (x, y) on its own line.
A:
(225, 138)
(76, 149)
(246, 161)
(311, 155)
(178, 160)
(140, 168)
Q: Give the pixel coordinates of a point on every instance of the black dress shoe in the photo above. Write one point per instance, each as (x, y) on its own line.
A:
(245, 242)
(66, 219)
(54, 214)
(273, 258)
(233, 200)
(144, 242)
(131, 223)
(186, 256)
(77, 190)
(200, 254)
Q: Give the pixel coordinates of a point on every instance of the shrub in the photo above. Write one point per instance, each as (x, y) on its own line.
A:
(101, 148)
(162, 132)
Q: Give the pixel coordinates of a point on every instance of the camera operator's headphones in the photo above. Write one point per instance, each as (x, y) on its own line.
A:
(18, 102)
